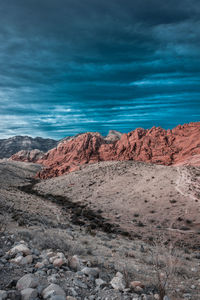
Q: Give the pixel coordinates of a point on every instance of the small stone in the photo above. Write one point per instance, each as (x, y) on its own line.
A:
(58, 262)
(51, 259)
(3, 294)
(53, 278)
(156, 297)
(17, 260)
(14, 295)
(59, 259)
(36, 252)
(58, 297)
(90, 271)
(26, 260)
(118, 282)
(40, 273)
(166, 298)
(70, 298)
(27, 281)
(29, 294)
(138, 289)
(74, 263)
(80, 284)
(134, 284)
(39, 265)
(49, 253)
(53, 290)
(99, 282)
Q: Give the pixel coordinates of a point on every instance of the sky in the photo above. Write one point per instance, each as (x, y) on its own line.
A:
(72, 66)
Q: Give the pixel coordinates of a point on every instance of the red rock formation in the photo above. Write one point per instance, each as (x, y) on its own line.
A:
(70, 154)
(155, 145)
(28, 156)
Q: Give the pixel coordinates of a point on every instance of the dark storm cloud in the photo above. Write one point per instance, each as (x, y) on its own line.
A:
(69, 66)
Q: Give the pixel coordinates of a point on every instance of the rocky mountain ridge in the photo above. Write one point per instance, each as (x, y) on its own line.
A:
(155, 145)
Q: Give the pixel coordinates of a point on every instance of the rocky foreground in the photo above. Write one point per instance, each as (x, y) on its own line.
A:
(179, 146)
(60, 240)
(52, 275)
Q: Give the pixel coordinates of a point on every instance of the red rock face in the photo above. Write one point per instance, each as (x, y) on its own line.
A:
(180, 145)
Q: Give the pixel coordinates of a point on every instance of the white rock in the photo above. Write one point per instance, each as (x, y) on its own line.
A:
(27, 281)
(19, 248)
(53, 290)
(60, 255)
(118, 282)
(29, 294)
(51, 259)
(21, 260)
(99, 282)
(17, 260)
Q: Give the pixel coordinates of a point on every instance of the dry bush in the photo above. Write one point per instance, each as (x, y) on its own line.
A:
(166, 260)
(127, 276)
(47, 239)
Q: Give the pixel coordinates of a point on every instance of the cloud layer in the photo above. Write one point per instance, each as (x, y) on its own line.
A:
(70, 66)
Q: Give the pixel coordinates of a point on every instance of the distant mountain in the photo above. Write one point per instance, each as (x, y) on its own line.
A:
(28, 155)
(12, 145)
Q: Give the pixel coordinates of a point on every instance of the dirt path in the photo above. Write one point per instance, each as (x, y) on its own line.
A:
(188, 182)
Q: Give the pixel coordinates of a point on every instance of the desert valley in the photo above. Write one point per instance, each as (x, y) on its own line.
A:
(92, 217)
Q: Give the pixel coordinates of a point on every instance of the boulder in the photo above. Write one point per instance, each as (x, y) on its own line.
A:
(21, 248)
(29, 294)
(21, 260)
(27, 281)
(53, 290)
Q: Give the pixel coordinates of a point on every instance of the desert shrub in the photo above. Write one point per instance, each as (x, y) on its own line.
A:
(47, 239)
(166, 263)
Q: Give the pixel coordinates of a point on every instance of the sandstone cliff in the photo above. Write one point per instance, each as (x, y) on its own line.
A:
(155, 145)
